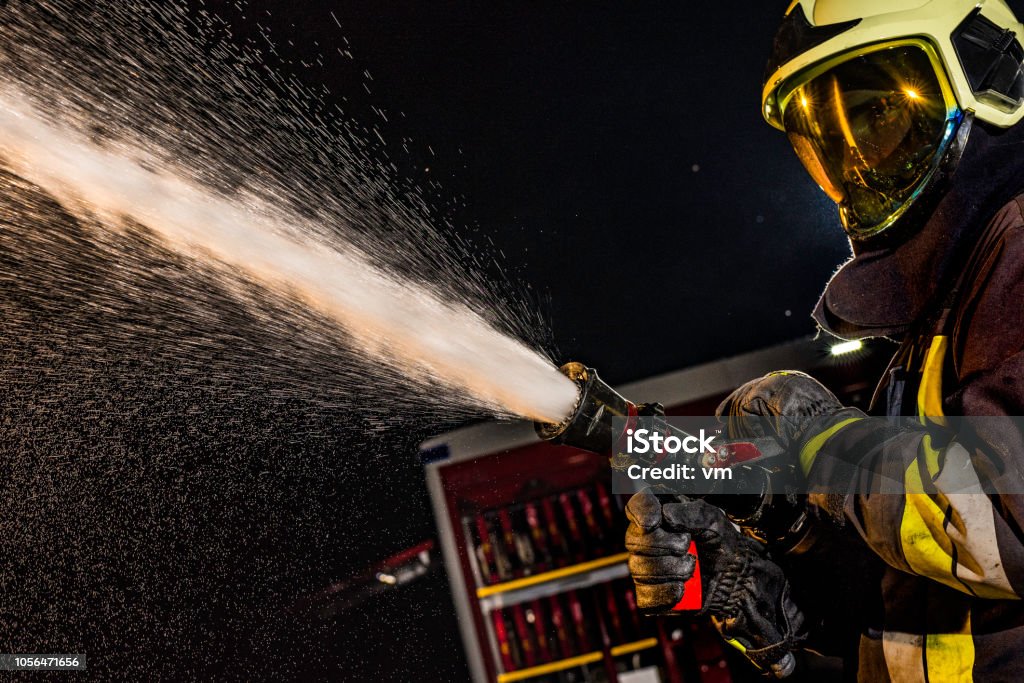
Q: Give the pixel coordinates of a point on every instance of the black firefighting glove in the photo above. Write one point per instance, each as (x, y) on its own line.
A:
(794, 408)
(744, 591)
(800, 413)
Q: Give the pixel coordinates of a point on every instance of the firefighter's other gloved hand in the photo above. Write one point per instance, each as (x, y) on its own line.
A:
(745, 593)
(792, 405)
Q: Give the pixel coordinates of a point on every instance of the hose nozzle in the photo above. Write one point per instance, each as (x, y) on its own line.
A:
(589, 426)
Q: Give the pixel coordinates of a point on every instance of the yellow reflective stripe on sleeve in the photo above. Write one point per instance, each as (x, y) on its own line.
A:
(931, 456)
(926, 547)
(929, 394)
(810, 449)
(950, 656)
(928, 544)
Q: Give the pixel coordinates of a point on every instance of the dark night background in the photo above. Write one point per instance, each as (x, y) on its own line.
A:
(617, 159)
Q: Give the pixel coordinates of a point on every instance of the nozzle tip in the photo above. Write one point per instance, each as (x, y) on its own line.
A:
(579, 374)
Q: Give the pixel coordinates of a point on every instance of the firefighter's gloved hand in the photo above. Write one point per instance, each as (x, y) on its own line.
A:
(745, 593)
(787, 404)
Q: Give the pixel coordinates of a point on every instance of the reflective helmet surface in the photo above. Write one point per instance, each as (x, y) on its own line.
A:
(877, 97)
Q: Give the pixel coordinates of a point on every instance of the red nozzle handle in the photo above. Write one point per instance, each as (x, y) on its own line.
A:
(692, 593)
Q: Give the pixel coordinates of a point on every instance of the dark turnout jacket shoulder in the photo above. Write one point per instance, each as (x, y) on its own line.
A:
(941, 502)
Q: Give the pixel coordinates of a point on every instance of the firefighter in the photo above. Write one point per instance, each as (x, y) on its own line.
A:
(907, 114)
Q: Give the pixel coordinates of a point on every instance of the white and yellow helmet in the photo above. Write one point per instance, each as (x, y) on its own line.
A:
(877, 96)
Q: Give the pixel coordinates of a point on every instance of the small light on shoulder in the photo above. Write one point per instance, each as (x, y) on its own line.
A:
(844, 348)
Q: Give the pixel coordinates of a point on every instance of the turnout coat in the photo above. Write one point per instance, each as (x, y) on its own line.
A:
(948, 597)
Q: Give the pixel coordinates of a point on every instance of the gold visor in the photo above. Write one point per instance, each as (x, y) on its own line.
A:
(871, 126)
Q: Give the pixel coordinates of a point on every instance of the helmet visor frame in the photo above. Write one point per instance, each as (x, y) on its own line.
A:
(871, 125)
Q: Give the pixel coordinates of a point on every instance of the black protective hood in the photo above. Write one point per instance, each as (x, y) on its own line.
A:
(885, 288)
